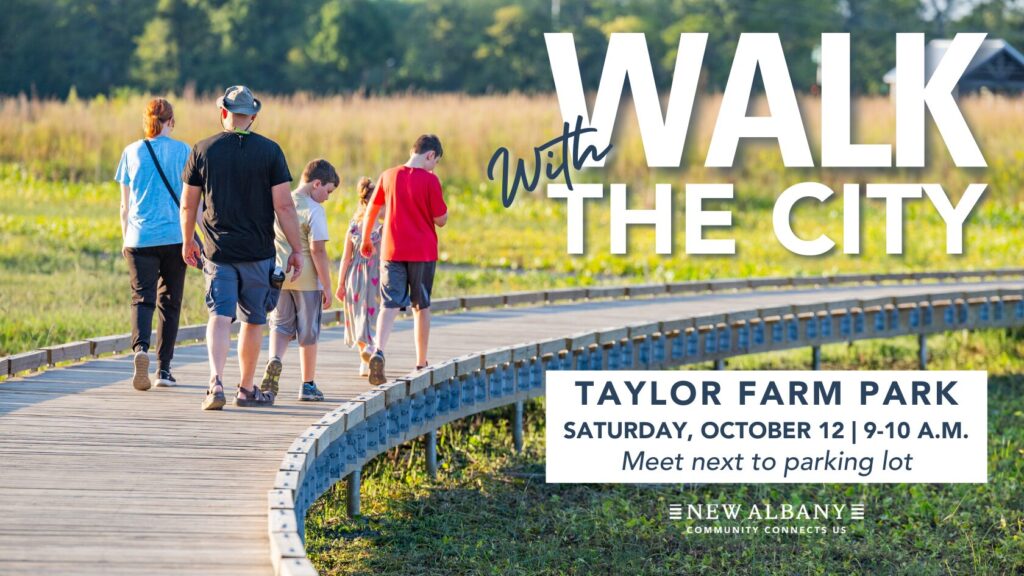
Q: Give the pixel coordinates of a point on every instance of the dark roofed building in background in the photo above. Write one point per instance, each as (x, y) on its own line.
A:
(997, 67)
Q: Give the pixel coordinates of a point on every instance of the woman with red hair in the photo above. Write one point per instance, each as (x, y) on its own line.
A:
(150, 177)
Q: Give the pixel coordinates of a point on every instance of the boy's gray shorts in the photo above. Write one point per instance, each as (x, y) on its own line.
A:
(406, 283)
(240, 287)
(298, 314)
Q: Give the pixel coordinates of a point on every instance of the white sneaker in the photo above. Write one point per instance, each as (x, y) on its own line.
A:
(364, 369)
(140, 375)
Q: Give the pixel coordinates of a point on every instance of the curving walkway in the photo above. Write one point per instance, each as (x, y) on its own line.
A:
(97, 478)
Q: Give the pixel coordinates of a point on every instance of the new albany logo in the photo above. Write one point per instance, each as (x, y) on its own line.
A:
(766, 517)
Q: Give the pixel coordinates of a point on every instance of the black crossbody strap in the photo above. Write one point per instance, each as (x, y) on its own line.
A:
(167, 183)
(163, 176)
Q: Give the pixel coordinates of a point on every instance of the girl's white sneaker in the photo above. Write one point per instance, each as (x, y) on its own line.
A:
(364, 369)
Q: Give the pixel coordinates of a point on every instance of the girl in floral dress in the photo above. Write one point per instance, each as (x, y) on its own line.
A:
(359, 281)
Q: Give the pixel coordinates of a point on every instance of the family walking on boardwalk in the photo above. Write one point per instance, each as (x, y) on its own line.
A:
(263, 249)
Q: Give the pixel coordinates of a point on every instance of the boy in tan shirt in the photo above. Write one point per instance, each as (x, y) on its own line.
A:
(303, 300)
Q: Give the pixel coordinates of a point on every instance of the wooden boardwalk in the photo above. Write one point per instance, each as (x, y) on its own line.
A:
(97, 478)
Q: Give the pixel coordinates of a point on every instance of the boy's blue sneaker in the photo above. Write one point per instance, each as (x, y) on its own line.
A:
(310, 392)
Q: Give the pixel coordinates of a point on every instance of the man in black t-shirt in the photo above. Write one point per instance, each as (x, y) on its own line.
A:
(243, 181)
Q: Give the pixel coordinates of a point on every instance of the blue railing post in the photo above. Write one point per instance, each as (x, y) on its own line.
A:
(517, 427)
(431, 441)
(353, 492)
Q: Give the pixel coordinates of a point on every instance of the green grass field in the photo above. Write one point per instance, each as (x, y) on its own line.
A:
(490, 512)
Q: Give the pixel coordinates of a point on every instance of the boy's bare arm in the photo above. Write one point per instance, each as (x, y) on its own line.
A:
(284, 208)
(372, 211)
(441, 220)
(318, 250)
(346, 261)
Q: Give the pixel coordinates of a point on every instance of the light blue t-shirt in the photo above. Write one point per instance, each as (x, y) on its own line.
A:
(153, 218)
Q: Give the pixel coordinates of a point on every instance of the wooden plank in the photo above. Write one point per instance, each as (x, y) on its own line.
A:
(523, 352)
(67, 352)
(612, 335)
(468, 364)
(31, 360)
(806, 281)
(849, 279)
(284, 546)
(728, 285)
(687, 287)
(355, 414)
(296, 567)
(709, 320)
(552, 346)
(874, 303)
(743, 316)
(286, 480)
(581, 340)
(528, 297)
(335, 416)
(565, 294)
(894, 277)
(279, 499)
(606, 292)
(108, 344)
(644, 330)
(5, 366)
(373, 401)
(445, 304)
(497, 356)
(330, 317)
(394, 391)
(646, 290)
(489, 301)
(769, 282)
(679, 324)
(282, 520)
(774, 312)
(441, 372)
(418, 382)
(842, 305)
(295, 462)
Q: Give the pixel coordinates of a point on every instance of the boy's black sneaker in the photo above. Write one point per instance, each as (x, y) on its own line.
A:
(164, 379)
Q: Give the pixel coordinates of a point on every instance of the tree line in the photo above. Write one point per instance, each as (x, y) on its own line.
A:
(48, 47)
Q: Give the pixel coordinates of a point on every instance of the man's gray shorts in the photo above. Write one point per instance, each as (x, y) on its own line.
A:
(240, 289)
(406, 283)
(298, 314)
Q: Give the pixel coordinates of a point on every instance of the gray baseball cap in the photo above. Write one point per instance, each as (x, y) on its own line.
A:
(239, 100)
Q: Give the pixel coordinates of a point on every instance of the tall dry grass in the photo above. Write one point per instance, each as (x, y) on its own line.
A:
(82, 140)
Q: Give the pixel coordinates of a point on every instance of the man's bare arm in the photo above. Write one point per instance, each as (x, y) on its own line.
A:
(189, 212)
(441, 220)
